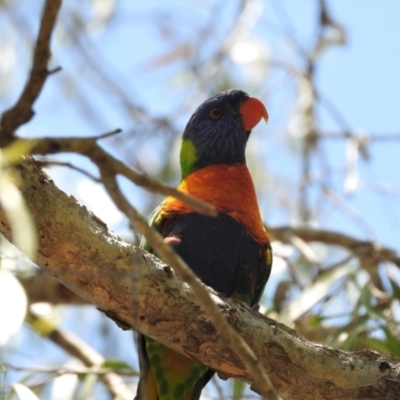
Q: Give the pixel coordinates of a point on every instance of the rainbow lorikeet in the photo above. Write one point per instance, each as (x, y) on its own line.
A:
(230, 252)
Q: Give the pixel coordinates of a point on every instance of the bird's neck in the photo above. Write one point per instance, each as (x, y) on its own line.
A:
(193, 159)
(230, 189)
(188, 158)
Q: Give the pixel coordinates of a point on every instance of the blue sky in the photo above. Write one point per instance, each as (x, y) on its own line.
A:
(360, 79)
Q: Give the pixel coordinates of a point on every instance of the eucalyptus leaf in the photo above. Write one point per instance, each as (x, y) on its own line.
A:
(23, 392)
(396, 289)
(22, 225)
(238, 389)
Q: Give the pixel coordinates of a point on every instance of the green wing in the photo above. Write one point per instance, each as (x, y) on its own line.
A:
(156, 219)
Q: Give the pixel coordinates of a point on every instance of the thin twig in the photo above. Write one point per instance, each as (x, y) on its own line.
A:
(109, 134)
(54, 70)
(50, 163)
(342, 205)
(64, 371)
(371, 137)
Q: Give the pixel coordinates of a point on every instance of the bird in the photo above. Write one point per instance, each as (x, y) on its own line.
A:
(230, 252)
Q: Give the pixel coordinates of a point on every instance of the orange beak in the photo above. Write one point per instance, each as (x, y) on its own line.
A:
(252, 110)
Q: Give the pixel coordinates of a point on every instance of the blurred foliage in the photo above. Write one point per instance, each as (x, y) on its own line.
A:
(145, 69)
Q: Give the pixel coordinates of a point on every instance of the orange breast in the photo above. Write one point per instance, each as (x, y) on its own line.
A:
(230, 189)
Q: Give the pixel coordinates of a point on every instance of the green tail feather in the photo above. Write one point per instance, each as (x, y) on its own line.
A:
(175, 375)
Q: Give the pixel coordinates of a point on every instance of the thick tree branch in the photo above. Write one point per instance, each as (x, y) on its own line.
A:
(55, 294)
(22, 111)
(79, 250)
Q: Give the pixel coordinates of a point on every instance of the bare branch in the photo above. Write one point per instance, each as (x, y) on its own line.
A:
(361, 248)
(88, 147)
(22, 111)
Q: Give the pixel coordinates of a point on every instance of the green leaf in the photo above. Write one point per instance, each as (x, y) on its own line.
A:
(22, 225)
(350, 342)
(238, 389)
(375, 344)
(396, 289)
(23, 392)
(316, 320)
(14, 152)
(116, 365)
(393, 343)
(87, 386)
(366, 301)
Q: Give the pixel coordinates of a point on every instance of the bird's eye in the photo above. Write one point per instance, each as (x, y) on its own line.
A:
(215, 113)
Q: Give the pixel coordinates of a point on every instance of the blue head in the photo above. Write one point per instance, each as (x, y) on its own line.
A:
(218, 130)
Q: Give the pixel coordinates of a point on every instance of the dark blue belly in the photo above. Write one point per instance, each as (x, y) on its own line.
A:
(219, 251)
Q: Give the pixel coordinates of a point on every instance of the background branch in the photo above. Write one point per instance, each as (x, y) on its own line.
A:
(83, 352)
(361, 248)
(42, 287)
